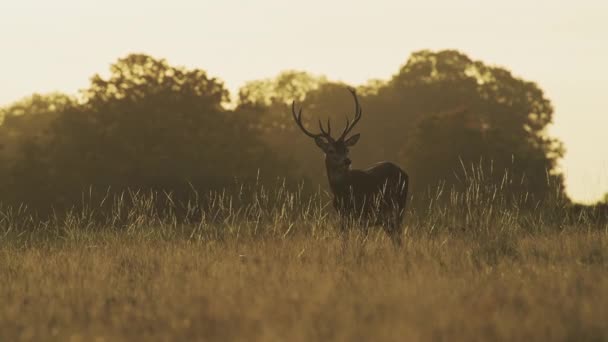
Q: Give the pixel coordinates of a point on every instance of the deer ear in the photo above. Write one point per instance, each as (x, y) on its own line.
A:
(322, 143)
(352, 140)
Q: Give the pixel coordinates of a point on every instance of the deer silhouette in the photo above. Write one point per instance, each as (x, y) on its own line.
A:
(373, 196)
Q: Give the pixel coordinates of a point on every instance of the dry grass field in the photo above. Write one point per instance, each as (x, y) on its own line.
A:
(272, 267)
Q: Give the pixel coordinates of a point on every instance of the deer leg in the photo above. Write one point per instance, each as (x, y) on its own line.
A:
(343, 230)
(362, 234)
(393, 229)
(365, 233)
(343, 225)
(396, 238)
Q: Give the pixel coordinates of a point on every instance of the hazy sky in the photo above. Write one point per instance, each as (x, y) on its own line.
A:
(562, 45)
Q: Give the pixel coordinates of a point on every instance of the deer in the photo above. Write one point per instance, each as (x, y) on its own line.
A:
(373, 196)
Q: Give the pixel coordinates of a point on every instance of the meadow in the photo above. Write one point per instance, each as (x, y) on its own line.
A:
(271, 265)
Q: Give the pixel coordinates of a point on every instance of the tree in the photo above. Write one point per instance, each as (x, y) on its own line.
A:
(451, 113)
(284, 88)
(25, 133)
(29, 120)
(439, 115)
(153, 126)
(148, 126)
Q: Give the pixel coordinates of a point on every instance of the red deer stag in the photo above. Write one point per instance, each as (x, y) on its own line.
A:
(374, 196)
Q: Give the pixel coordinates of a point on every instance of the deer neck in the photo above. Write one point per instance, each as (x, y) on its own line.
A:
(338, 177)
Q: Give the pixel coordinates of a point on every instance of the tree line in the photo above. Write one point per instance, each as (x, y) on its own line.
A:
(445, 118)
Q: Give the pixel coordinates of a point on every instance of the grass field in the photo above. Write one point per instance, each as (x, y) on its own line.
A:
(272, 267)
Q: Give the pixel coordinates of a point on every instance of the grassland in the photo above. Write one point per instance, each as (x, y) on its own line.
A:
(272, 267)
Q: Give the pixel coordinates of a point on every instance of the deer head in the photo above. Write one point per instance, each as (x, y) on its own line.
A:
(336, 150)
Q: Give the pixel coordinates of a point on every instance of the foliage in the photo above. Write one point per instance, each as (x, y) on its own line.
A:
(148, 126)
(461, 113)
(440, 116)
(287, 86)
(153, 126)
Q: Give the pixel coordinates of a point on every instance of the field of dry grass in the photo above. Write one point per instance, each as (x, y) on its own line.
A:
(472, 268)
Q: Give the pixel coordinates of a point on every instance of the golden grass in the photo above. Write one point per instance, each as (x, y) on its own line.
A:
(549, 287)
(277, 270)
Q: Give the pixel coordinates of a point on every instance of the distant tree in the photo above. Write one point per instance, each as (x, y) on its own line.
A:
(25, 134)
(29, 120)
(438, 116)
(150, 125)
(451, 112)
(286, 87)
(147, 126)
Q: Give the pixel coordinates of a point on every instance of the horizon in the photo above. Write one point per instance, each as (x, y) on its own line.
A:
(556, 45)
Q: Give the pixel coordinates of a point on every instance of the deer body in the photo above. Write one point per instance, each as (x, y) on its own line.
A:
(374, 196)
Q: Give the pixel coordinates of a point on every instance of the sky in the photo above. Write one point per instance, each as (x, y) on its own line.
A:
(561, 45)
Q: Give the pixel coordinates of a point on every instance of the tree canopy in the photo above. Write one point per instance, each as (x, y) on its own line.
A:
(457, 113)
(440, 115)
(147, 126)
(153, 126)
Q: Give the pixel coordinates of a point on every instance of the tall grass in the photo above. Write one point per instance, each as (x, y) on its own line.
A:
(269, 263)
(253, 210)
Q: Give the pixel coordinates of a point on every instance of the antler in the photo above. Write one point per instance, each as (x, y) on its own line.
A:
(358, 112)
(298, 119)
